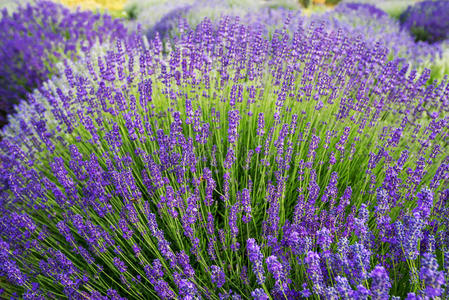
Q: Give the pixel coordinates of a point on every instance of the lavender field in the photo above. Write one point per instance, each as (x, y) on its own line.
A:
(193, 149)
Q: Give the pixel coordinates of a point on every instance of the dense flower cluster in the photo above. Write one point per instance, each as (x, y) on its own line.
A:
(427, 20)
(374, 26)
(169, 21)
(356, 19)
(36, 36)
(166, 19)
(363, 8)
(232, 165)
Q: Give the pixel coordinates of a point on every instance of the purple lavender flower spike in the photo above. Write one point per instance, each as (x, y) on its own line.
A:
(259, 294)
(314, 271)
(433, 279)
(256, 258)
(217, 276)
(380, 285)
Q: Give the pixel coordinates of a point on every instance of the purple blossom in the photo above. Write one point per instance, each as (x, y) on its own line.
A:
(256, 258)
(425, 202)
(120, 265)
(230, 158)
(324, 238)
(343, 287)
(380, 285)
(163, 290)
(312, 260)
(217, 276)
(433, 279)
(234, 119)
(260, 125)
(410, 234)
(274, 267)
(259, 294)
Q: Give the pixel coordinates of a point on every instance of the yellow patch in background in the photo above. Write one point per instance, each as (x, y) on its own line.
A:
(111, 5)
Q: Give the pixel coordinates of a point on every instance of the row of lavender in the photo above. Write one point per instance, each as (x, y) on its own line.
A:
(428, 19)
(228, 163)
(36, 36)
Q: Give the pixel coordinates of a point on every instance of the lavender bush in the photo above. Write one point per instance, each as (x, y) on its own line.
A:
(12, 5)
(427, 20)
(304, 166)
(35, 36)
(375, 26)
(164, 18)
(394, 8)
(356, 19)
(364, 8)
(155, 16)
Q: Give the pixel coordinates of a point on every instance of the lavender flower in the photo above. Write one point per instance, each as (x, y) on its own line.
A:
(163, 290)
(324, 238)
(256, 258)
(120, 265)
(313, 261)
(259, 294)
(432, 278)
(217, 276)
(425, 202)
(380, 285)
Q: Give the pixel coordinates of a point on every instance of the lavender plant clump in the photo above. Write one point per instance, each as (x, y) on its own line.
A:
(38, 35)
(427, 20)
(229, 166)
(369, 8)
(361, 19)
(356, 19)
